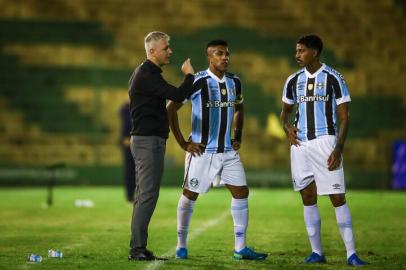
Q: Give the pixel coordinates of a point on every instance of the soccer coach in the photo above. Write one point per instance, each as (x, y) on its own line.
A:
(148, 93)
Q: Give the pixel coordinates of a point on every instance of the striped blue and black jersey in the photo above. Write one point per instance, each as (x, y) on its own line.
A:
(213, 102)
(317, 96)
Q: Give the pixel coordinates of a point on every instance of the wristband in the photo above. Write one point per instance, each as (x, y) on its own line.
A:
(237, 135)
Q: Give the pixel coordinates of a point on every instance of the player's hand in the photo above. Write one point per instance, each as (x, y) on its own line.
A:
(291, 133)
(334, 160)
(193, 148)
(236, 144)
(187, 67)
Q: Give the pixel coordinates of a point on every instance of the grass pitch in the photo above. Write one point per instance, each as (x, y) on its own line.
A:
(98, 237)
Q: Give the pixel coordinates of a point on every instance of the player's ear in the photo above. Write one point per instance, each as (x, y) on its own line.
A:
(208, 57)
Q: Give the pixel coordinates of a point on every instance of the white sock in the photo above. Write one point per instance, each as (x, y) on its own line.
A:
(185, 211)
(344, 222)
(239, 212)
(313, 225)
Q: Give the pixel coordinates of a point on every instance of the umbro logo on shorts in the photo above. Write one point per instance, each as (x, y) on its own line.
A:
(194, 182)
(336, 186)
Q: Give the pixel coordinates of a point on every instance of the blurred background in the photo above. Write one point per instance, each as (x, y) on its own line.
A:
(65, 65)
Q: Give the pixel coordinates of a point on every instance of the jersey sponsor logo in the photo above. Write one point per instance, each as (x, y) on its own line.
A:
(301, 86)
(339, 75)
(219, 104)
(336, 186)
(200, 73)
(302, 99)
(320, 85)
(194, 182)
(310, 87)
(223, 91)
(301, 83)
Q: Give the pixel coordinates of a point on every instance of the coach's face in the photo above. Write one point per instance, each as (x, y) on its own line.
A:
(218, 57)
(305, 56)
(161, 52)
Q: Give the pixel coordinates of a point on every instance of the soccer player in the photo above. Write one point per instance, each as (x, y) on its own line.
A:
(217, 103)
(321, 94)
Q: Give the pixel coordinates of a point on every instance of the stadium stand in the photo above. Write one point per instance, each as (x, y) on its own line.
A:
(65, 66)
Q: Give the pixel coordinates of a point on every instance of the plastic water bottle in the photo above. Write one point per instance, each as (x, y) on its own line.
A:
(55, 253)
(34, 258)
(84, 203)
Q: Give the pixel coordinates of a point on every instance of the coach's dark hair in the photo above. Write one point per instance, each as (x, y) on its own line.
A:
(311, 42)
(216, 42)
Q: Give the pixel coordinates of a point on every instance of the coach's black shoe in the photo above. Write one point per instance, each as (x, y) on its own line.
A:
(144, 255)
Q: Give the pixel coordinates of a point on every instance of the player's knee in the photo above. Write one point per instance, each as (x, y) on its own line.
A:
(240, 192)
(309, 198)
(190, 194)
(337, 199)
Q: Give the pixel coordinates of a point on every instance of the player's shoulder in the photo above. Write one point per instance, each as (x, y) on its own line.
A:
(333, 72)
(201, 75)
(232, 76)
(295, 75)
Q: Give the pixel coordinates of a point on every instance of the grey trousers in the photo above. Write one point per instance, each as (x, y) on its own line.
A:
(149, 154)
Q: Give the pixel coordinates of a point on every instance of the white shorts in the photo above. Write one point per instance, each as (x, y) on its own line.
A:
(204, 170)
(309, 163)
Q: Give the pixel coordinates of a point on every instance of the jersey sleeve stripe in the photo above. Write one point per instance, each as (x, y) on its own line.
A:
(239, 98)
(344, 99)
(290, 89)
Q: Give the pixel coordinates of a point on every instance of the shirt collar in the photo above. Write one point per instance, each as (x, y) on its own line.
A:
(314, 75)
(215, 77)
(152, 67)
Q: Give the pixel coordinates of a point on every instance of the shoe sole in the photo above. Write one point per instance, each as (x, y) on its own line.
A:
(249, 259)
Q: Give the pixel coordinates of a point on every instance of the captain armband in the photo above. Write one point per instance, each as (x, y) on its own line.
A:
(239, 99)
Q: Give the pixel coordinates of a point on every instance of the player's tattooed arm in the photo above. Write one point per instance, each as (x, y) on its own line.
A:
(290, 130)
(189, 146)
(334, 159)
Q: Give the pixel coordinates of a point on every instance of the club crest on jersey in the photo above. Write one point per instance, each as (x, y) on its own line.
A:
(194, 182)
(310, 87)
(223, 91)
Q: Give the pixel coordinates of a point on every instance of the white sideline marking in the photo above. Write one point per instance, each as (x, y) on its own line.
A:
(154, 265)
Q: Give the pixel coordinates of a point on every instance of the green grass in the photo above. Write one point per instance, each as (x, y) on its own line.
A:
(97, 238)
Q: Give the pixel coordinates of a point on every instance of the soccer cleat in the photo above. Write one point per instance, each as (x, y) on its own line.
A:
(315, 258)
(249, 254)
(354, 260)
(181, 253)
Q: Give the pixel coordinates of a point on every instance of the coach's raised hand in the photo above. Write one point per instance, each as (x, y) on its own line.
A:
(187, 67)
